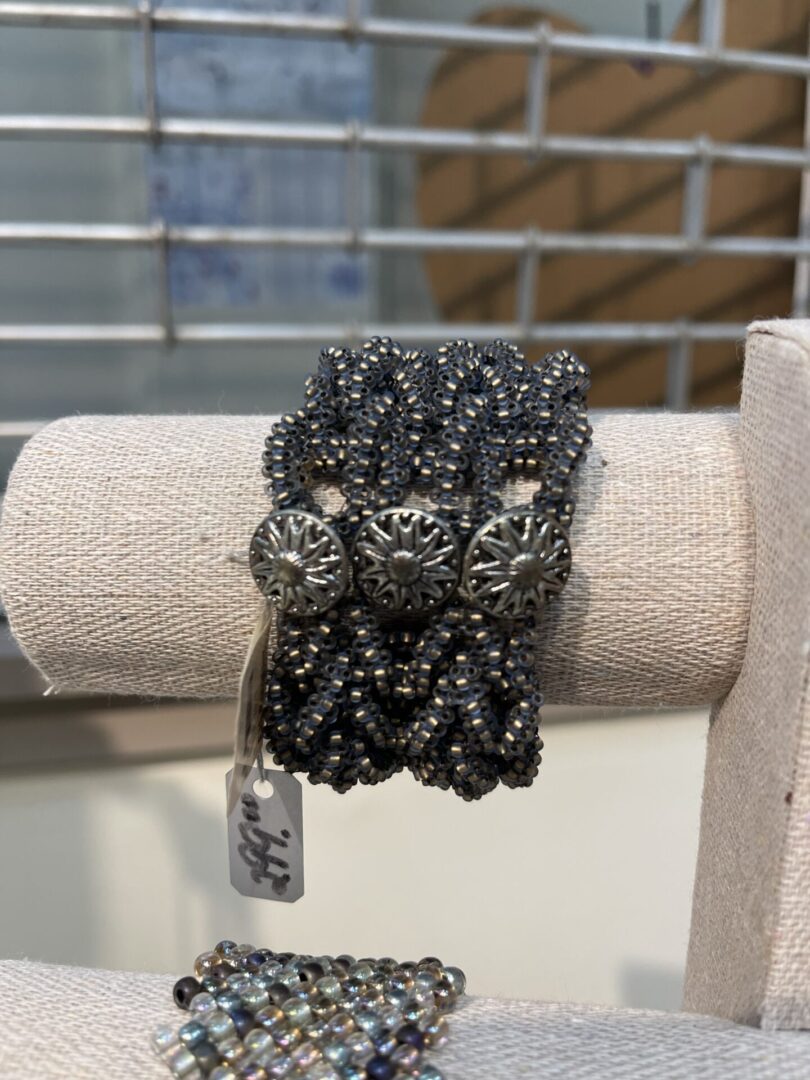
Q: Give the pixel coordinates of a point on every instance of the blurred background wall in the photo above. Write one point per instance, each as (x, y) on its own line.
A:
(578, 888)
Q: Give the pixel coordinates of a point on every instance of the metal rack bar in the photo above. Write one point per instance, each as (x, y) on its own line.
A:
(526, 292)
(695, 199)
(383, 31)
(537, 90)
(712, 23)
(679, 373)
(146, 16)
(386, 138)
(529, 246)
(518, 242)
(635, 333)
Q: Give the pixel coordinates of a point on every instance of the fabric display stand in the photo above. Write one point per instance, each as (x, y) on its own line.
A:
(123, 563)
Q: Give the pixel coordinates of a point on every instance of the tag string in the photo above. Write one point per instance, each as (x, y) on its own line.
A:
(248, 734)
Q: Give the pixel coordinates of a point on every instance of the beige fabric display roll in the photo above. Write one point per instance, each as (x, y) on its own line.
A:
(72, 1022)
(123, 555)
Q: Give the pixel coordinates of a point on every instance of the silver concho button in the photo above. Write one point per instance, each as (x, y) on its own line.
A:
(514, 561)
(406, 560)
(299, 562)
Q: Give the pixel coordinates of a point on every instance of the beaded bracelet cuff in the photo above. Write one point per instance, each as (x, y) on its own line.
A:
(255, 1014)
(408, 618)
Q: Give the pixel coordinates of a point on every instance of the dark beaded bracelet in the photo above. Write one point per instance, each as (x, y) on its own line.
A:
(407, 633)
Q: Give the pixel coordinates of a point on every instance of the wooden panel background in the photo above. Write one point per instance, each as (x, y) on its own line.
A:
(487, 91)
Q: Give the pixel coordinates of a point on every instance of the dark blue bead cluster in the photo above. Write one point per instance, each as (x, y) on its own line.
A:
(255, 1014)
(354, 696)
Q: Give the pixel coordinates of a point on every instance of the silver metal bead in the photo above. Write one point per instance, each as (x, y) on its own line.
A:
(299, 562)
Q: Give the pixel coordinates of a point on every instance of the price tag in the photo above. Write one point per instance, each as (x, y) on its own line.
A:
(265, 836)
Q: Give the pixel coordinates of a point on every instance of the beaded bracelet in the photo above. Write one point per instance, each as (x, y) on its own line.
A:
(406, 633)
(256, 1015)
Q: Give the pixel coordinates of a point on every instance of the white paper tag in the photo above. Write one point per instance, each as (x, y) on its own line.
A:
(266, 838)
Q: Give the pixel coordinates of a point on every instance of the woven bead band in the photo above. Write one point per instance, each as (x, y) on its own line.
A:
(409, 617)
(254, 1014)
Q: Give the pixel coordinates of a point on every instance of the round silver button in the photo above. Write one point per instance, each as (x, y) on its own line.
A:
(406, 560)
(514, 561)
(299, 562)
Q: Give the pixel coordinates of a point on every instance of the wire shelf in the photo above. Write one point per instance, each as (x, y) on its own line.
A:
(698, 155)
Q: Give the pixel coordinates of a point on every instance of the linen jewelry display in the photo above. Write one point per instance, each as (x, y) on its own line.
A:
(407, 632)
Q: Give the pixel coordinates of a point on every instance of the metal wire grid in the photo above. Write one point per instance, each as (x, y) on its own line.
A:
(698, 156)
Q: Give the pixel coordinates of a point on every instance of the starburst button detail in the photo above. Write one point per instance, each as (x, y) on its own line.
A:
(299, 562)
(406, 560)
(515, 560)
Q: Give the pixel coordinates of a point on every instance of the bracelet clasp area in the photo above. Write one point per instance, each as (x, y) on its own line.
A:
(407, 560)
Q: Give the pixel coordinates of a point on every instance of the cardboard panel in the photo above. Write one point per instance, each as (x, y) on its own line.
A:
(488, 92)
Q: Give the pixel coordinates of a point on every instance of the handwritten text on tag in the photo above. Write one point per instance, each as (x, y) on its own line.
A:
(265, 837)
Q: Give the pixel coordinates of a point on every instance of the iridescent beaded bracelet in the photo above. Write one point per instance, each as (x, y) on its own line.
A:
(406, 632)
(258, 1015)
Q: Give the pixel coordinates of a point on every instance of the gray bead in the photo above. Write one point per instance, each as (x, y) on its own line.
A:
(280, 1067)
(306, 1056)
(397, 998)
(297, 1012)
(406, 1058)
(192, 1033)
(202, 1003)
(219, 1025)
(254, 998)
(181, 1062)
(457, 979)
(257, 1041)
(337, 1053)
(360, 1046)
(368, 1021)
(163, 1039)
(330, 987)
(341, 1025)
(228, 1001)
